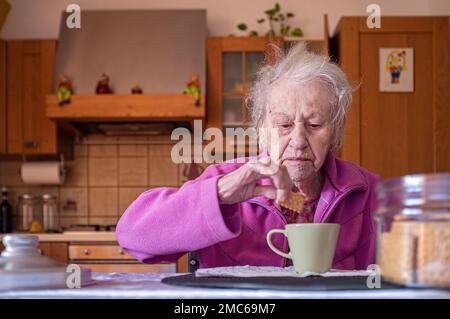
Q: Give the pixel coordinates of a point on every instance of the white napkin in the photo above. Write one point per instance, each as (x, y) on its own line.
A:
(267, 271)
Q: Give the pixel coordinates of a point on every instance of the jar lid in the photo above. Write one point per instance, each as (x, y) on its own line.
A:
(48, 196)
(26, 196)
(415, 190)
(23, 267)
(21, 252)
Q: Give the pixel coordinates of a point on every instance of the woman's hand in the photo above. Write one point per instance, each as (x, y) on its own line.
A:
(240, 185)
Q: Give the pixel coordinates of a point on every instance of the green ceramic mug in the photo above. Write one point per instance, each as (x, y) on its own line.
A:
(311, 246)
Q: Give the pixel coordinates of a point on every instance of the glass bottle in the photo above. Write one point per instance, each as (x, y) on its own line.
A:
(6, 214)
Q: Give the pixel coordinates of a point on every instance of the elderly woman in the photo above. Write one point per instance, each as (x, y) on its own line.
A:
(225, 214)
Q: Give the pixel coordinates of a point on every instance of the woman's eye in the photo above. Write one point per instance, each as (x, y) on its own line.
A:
(285, 125)
(311, 125)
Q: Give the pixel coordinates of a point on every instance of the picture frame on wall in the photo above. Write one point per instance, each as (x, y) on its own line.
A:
(396, 70)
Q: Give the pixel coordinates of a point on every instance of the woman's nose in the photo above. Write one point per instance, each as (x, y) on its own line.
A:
(299, 138)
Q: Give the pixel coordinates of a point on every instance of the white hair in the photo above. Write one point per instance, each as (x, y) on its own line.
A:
(302, 67)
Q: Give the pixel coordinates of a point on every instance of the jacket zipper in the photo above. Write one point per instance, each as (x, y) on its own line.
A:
(285, 260)
(338, 201)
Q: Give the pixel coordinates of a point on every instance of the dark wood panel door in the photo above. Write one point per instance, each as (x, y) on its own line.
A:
(397, 135)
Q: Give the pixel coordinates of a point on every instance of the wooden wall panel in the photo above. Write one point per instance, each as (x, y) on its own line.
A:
(396, 128)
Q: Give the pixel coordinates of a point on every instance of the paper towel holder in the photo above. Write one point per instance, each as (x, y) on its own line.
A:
(62, 167)
(61, 160)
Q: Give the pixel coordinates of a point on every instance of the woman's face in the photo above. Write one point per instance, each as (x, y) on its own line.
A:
(299, 116)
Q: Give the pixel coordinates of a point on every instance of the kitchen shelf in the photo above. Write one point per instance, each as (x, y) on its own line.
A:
(124, 107)
(307, 39)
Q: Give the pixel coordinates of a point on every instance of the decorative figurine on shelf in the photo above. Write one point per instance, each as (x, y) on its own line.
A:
(103, 85)
(193, 87)
(136, 90)
(64, 90)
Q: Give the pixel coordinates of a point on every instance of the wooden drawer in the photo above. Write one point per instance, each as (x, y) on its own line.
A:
(98, 252)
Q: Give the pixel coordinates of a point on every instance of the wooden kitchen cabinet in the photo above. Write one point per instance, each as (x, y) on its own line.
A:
(29, 68)
(2, 97)
(56, 251)
(232, 64)
(397, 133)
(110, 257)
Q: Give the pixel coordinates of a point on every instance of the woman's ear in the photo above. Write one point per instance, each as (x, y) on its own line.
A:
(263, 135)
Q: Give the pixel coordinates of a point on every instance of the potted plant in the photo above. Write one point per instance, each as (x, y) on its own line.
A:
(278, 23)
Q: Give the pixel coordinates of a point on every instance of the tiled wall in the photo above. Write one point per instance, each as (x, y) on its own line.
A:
(102, 179)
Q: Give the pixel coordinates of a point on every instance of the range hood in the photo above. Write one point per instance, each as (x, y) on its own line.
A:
(159, 50)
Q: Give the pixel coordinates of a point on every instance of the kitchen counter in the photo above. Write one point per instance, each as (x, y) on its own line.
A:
(77, 236)
(148, 285)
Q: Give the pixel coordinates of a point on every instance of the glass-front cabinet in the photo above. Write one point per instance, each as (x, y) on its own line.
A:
(233, 63)
(239, 72)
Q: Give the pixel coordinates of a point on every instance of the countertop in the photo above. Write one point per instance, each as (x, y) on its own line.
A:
(148, 285)
(78, 236)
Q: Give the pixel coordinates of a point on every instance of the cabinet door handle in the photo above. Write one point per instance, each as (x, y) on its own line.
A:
(87, 252)
(30, 144)
(121, 252)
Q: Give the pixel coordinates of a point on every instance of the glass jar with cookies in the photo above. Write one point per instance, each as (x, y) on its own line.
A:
(413, 219)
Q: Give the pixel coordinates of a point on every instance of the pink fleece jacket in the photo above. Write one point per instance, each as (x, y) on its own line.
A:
(163, 224)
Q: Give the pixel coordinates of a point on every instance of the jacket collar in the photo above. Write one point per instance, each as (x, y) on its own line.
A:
(342, 175)
(341, 178)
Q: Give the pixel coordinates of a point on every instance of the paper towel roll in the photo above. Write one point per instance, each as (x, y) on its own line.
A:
(42, 173)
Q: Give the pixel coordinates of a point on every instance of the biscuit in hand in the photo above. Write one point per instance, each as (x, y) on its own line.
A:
(294, 202)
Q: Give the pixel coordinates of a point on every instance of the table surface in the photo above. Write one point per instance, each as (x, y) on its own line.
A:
(148, 285)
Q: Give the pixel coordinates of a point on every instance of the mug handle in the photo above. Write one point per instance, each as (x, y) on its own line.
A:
(271, 245)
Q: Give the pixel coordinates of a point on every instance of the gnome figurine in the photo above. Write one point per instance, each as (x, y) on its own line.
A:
(193, 87)
(136, 89)
(64, 90)
(103, 85)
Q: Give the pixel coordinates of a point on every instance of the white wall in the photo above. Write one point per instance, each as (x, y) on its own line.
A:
(40, 18)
